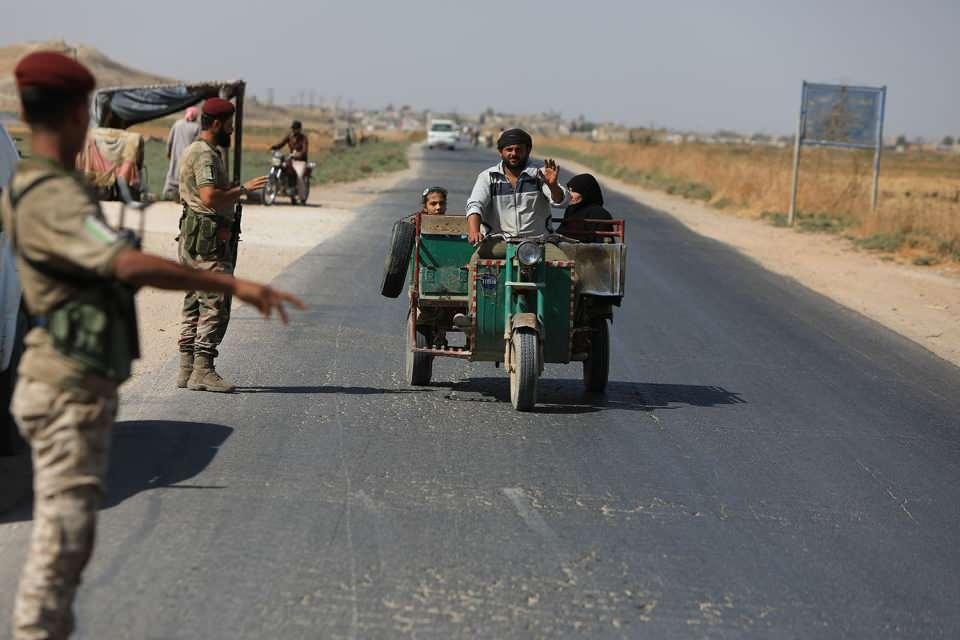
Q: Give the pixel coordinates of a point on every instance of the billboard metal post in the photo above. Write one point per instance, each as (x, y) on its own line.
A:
(879, 149)
(842, 116)
(791, 214)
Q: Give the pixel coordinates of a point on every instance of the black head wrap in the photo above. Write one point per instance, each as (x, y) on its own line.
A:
(590, 207)
(514, 136)
(588, 188)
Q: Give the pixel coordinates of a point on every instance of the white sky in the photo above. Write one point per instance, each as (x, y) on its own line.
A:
(677, 63)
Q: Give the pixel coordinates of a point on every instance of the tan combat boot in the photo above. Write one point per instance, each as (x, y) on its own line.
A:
(186, 368)
(206, 378)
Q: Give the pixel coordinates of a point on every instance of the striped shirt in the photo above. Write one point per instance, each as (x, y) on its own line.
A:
(519, 212)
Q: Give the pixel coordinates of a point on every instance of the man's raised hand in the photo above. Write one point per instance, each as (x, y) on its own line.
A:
(550, 172)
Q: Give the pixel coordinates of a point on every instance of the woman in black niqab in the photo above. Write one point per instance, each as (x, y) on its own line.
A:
(588, 206)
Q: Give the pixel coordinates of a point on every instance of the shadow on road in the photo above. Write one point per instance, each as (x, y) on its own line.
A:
(147, 454)
(350, 391)
(568, 396)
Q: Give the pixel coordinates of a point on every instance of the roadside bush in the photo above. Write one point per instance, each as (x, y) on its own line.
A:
(882, 242)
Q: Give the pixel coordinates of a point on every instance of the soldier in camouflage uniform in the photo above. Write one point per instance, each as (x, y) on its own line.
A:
(79, 277)
(206, 233)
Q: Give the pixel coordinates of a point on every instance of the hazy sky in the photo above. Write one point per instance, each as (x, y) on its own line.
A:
(678, 63)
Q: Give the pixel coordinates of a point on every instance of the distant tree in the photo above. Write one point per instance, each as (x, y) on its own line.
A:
(947, 141)
(901, 141)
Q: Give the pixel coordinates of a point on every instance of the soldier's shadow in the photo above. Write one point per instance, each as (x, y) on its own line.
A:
(149, 454)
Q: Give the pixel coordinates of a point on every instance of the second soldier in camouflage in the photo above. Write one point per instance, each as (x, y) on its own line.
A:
(206, 244)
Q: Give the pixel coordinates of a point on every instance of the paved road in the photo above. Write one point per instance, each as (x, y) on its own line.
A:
(765, 464)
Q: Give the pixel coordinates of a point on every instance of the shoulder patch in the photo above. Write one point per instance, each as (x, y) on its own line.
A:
(99, 230)
(207, 172)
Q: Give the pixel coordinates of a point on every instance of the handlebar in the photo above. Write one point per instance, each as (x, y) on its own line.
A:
(543, 237)
(127, 196)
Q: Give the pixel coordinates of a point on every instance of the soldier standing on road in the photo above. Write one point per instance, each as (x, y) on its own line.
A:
(206, 244)
(79, 277)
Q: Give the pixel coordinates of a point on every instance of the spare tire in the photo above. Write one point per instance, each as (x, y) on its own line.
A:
(398, 258)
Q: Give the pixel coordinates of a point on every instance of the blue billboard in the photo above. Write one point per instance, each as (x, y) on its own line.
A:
(839, 115)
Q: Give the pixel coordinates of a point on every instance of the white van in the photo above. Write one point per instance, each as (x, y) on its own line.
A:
(443, 133)
(13, 319)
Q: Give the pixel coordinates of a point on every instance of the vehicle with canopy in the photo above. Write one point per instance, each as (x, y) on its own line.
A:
(112, 151)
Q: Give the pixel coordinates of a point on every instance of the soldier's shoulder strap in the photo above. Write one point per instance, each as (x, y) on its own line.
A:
(16, 196)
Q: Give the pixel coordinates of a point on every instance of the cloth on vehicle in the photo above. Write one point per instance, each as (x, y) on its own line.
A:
(109, 153)
(124, 107)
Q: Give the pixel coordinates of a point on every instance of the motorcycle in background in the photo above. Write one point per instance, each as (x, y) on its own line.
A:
(282, 180)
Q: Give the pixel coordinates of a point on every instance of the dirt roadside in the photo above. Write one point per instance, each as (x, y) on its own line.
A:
(273, 238)
(919, 303)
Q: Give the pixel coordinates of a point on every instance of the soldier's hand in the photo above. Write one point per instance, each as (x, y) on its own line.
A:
(255, 184)
(267, 299)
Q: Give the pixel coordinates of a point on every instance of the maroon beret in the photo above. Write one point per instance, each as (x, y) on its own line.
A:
(218, 108)
(52, 70)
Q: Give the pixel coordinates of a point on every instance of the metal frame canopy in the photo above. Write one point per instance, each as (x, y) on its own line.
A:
(843, 116)
(123, 107)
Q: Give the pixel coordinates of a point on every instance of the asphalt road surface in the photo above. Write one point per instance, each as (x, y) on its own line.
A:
(764, 464)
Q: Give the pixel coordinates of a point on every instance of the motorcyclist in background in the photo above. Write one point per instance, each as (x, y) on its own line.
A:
(297, 145)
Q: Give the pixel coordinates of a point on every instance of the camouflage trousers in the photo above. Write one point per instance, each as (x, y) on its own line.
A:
(205, 315)
(69, 436)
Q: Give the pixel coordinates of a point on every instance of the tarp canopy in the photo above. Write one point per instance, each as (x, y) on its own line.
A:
(122, 107)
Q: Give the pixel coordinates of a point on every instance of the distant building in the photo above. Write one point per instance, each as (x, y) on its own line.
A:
(610, 134)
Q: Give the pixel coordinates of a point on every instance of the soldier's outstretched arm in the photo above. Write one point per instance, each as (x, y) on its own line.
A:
(146, 270)
(216, 198)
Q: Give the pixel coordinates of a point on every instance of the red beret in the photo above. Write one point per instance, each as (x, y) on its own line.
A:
(52, 70)
(218, 108)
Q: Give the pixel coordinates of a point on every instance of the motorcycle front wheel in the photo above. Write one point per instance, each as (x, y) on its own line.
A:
(270, 192)
(306, 191)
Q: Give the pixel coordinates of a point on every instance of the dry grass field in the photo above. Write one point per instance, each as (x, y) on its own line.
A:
(919, 207)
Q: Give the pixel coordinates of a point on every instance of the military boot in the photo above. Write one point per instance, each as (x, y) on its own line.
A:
(186, 368)
(206, 378)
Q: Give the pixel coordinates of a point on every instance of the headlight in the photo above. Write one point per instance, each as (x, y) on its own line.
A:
(529, 253)
(277, 161)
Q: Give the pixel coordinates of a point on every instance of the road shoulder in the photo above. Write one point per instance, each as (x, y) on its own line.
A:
(919, 303)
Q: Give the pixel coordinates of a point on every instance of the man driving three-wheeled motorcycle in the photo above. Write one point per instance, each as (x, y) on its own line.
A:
(518, 292)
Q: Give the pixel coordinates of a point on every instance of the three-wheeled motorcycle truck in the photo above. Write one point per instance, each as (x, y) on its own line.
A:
(520, 301)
